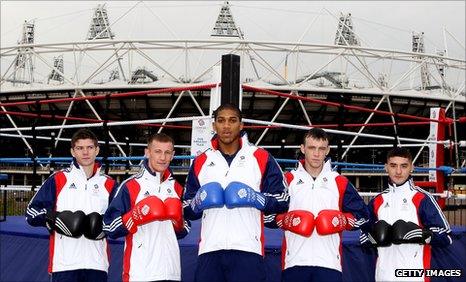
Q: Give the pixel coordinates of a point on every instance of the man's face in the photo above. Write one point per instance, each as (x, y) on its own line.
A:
(85, 152)
(160, 154)
(315, 151)
(398, 169)
(228, 126)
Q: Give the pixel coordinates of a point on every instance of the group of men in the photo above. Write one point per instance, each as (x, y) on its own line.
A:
(236, 189)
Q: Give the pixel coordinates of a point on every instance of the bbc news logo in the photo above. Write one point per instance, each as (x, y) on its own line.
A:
(428, 272)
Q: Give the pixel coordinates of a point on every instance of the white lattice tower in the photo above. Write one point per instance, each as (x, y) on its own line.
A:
(24, 65)
(345, 31)
(225, 25)
(418, 47)
(58, 70)
(100, 26)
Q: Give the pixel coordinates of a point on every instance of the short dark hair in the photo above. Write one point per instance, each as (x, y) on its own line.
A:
(160, 137)
(84, 134)
(228, 106)
(399, 152)
(316, 133)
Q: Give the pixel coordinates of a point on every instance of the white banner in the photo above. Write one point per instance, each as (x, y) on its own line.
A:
(201, 135)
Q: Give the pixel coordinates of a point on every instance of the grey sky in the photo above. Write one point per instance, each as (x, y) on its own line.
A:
(381, 24)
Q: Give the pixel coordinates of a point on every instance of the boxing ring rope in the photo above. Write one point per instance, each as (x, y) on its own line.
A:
(92, 120)
(445, 169)
(59, 117)
(333, 131)
(189, 146)
(334, 104)
(113, 96)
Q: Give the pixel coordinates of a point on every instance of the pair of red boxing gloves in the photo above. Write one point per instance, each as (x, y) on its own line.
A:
(151, 209)
(327, 222)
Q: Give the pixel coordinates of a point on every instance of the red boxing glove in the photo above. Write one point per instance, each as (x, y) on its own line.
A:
(330, 222)
(144, 211)
(298, 221)
(174, 211)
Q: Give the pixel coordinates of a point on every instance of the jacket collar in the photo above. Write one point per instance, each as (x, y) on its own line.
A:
(327, 167)
(163, 176)
(242, 140)
(78, 168)
(408, 184)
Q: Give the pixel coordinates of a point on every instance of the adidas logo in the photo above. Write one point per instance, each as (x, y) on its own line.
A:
(146, 194)
(211, 164)
(300, 181)
(386, 205)
(73, 186)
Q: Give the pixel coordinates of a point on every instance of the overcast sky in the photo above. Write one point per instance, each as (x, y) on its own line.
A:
(378, 24)
(382, 24)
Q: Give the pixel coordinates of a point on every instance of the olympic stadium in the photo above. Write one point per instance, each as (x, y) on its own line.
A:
(128, 70)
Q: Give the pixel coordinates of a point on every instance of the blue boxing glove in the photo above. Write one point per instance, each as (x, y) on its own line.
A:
(208, 196)
(238, 194)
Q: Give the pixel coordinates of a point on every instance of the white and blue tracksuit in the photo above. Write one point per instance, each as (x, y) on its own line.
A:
(152, 253)
(70, 189)
(409, 203)
(231, 246)
(240, 228)
(329, 190)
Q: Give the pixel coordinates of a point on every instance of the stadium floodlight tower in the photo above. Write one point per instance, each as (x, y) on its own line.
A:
(24, 65)
(418, 47)
(100, 26)
(57, 71)
(345, 31)
(225, 25)
(100, 29)
(345, 36)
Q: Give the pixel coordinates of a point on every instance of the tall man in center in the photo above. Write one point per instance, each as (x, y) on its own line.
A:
(232, 185)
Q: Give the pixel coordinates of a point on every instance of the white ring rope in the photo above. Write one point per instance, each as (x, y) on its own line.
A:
(253, 121)
(189, 146)
(302, 127)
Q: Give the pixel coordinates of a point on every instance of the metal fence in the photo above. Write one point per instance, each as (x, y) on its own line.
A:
(14, 202)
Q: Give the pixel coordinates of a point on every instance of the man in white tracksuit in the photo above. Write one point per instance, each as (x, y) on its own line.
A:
(231, 186)
(405, 221)
(147, 211)
(70, 203)
(323, 200)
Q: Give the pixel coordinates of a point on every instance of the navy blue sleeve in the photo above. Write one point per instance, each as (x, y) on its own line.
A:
(274, 188)
(354, 204)
(43, 201)
(432, 218)
(192, 185)
(185, 231)
(120, 204)
(367, 227)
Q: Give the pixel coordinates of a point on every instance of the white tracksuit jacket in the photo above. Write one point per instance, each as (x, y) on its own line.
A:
(328, 191)
(69, 189)
(409, 203)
